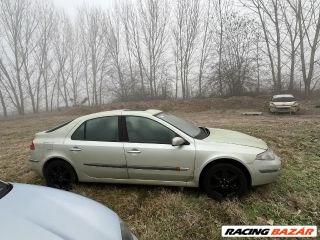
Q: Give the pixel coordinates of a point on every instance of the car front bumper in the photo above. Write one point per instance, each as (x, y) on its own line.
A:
(275, 109)
(265, 171)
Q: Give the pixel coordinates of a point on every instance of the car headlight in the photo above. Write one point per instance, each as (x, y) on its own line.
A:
(295, 104)
(125, 232)
(271, 104)
(267, 155)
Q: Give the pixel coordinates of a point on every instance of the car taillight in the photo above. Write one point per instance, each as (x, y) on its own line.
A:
(32, 146)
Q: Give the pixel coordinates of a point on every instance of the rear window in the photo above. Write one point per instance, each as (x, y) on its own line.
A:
(104, 129)
(58, 127)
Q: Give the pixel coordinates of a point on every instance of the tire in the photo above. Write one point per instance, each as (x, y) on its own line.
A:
(224, 181)
(60, 174)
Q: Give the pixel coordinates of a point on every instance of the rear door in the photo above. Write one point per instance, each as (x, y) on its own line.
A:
(150, 154)
(96, 149)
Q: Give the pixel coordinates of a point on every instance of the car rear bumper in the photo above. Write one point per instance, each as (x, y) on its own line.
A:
(265, 171)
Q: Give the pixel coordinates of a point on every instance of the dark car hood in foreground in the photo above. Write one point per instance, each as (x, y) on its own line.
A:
(40, 213)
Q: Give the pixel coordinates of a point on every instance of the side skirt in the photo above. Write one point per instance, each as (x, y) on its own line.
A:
(139, 182)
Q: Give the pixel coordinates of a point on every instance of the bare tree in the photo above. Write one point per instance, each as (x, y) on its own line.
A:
(13, 15)
(258, 61)
(113, 44)
(291, 24)
(269, 13)
(48, 59)
(206, 41)
(62, 47)
(28, 43)
(126, 13)
(221, 9)
(75, 65)
(84, 54)
(2, 100)
(46, 30)
(239, 60)
(131, 23)
(93, 37)
(185, 33)
(153, 20)
(308, 17)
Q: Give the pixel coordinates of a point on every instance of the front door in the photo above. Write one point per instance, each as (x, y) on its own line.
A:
(150, 154)
(96, 149)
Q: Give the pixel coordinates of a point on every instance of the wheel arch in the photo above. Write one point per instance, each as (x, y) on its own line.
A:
(232, 161)
(59, 158)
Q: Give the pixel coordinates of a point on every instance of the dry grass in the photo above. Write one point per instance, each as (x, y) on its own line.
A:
(170, 213)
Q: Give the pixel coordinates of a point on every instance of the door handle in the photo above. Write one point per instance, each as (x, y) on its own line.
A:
(75, 149)
(134, 151)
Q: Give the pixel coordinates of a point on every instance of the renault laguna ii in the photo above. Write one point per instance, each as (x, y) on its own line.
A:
(152, 147)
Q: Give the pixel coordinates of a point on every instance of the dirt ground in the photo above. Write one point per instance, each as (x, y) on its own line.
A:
(172, 213)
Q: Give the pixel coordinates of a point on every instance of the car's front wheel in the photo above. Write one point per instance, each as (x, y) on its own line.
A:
(59, 174)
(224, 180)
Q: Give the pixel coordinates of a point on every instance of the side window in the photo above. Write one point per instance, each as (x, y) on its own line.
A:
(144, 130)
(104, 129)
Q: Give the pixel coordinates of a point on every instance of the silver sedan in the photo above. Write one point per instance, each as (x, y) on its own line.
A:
(38, 213)
(284, 103)
(152, 147)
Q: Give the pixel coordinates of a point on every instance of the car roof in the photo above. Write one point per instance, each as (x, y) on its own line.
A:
(283, 96)
(148, 112)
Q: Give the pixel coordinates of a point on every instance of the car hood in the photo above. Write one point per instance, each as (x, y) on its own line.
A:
(233, 137)
(37, 213)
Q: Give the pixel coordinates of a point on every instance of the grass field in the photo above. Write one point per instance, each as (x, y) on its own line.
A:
(172, 213)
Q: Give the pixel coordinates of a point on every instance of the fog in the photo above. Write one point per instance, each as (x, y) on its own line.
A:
(58, 53)
(71, 6)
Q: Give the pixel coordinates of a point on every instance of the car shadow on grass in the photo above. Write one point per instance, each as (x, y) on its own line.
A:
(152, 191)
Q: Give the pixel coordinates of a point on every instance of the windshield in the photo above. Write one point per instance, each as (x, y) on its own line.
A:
(283, 99)
(4, 189)
(183, 125)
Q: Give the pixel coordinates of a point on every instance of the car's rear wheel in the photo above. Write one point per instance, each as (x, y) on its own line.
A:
(60, 174)
(223, 181)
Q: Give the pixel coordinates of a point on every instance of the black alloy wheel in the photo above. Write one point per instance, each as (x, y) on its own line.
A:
(60, 174)
(224, 181)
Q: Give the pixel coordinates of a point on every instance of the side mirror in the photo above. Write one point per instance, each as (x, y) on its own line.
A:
(177, 141)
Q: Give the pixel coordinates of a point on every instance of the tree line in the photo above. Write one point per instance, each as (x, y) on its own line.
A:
(151, 49)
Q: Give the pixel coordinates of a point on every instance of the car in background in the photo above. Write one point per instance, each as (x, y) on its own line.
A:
(38, 213)
(152, 147)
(284, 103)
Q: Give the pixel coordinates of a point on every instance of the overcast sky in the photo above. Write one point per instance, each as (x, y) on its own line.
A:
(70, 6)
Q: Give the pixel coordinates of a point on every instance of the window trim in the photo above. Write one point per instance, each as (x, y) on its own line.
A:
(85, 130)
(58, 127)
(123, 131)
(124, 128)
